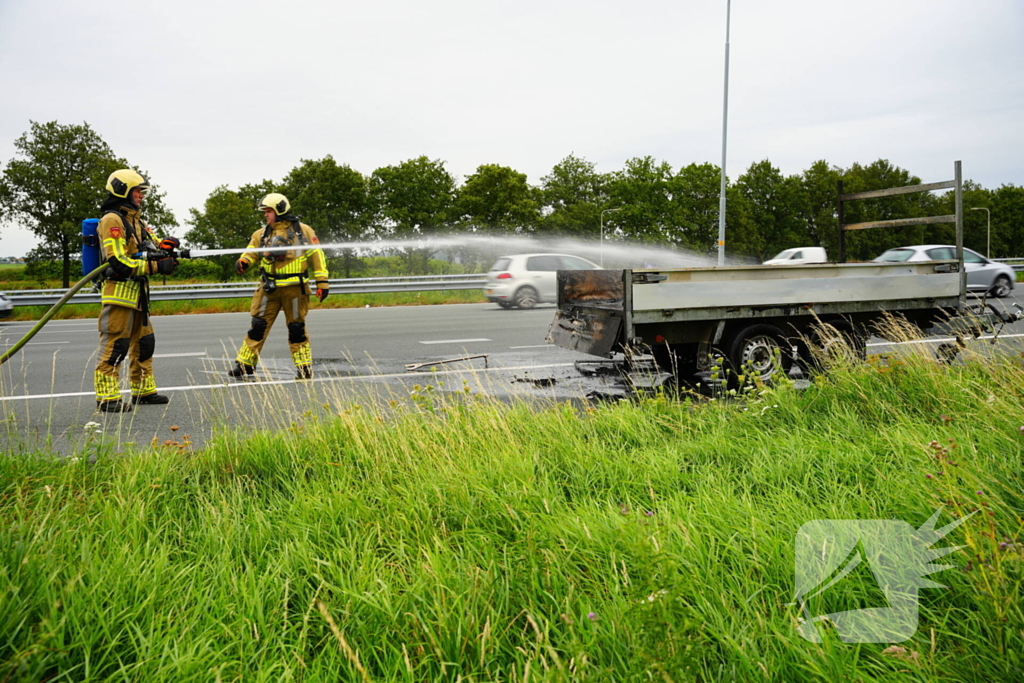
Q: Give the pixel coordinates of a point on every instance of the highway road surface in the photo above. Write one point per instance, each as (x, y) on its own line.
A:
(360, 356)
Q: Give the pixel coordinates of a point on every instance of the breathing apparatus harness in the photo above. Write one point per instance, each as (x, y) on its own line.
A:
(293, 236)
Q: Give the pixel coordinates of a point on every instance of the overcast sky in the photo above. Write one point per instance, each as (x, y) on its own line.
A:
(204, 93)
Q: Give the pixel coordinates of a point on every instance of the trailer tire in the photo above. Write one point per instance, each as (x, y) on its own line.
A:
(760, 350)
(526, 297)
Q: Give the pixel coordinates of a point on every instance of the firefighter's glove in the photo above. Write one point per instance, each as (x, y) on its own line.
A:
(241, 265)
(166, 266)
(169, 244)
(322, 289)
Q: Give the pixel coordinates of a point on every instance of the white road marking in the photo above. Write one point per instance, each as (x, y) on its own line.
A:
(532, 346)
(44, 343)
(53, 332)
(249, 383)
(939, 340)
(454, 341)
(371, 378)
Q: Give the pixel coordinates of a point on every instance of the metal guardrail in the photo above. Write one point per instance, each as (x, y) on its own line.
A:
(244, 290)
(1015, 263)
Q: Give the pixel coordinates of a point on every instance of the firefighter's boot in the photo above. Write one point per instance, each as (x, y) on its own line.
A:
(241, 370)
(117, 406)
(304, 372)
(150, 399)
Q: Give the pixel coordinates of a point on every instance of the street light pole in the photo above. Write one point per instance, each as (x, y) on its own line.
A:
(725, 128)
(988, 215)
(602, 231)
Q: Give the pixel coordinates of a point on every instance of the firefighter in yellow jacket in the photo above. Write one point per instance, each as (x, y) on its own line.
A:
(284, 284)
(124, 325)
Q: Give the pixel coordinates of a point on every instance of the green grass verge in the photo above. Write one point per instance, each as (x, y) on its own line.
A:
(462, 539)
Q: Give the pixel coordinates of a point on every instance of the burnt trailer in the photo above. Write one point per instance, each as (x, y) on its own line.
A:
(761, 319)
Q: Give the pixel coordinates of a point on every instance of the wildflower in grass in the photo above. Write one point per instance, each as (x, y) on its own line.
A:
(979, 493)
(927, 476)
(592, 616)
(1021, 429)
(648, 513)
(90, 425)
(945, 418)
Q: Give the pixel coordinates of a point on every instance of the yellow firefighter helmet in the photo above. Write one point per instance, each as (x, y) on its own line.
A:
(275, 201)
(121, 182)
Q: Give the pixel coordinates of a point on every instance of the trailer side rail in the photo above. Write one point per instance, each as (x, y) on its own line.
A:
(957, 217)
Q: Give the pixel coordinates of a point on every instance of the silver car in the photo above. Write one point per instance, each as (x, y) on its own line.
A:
(6, 306)
(525, 280)
(983, 275)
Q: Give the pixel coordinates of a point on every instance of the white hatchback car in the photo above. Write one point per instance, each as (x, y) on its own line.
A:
(983, 275)
(525, 280)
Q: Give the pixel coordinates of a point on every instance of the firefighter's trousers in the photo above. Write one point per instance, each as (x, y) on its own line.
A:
(293, 300)
(122, 335)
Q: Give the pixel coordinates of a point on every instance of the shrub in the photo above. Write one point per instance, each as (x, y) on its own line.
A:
(198, 269)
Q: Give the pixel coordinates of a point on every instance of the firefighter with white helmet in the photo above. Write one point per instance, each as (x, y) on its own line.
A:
(285, 276)
(125, 330)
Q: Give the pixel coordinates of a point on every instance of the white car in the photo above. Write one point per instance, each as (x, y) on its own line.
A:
(983, 275)
(6, 306)
(525, 280)
(797, 256)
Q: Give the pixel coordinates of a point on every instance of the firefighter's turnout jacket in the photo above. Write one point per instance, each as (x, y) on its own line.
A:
(125, 330)
(121, 234)
(284, 288)
(290, 267)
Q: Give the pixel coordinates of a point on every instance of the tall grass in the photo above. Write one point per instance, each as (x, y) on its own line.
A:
(449, 537)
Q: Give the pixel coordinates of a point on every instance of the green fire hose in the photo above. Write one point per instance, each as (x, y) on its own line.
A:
(50, 313)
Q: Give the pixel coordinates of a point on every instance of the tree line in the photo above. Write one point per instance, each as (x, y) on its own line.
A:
(58, 174)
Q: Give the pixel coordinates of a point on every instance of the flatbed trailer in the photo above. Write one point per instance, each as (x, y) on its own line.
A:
(764, 318)
(759, 318)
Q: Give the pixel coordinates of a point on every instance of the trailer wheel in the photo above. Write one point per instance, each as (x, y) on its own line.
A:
(830, 343)
(526, 297)
(760, 350)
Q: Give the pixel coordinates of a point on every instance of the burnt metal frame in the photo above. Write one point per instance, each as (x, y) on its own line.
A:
(957, 217)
